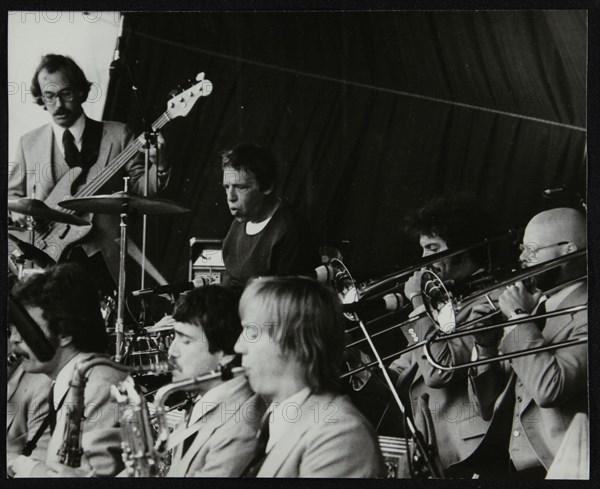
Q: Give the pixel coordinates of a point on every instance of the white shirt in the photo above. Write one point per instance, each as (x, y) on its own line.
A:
(282, 415)
(253, 228)
(76, 130)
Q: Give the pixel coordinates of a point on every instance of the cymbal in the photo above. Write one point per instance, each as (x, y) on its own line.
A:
(30, 252)
(38, 209)
(115, 203)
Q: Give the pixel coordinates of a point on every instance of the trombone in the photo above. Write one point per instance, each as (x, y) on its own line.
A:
(443, 300)
(391, 280)
(441, 309)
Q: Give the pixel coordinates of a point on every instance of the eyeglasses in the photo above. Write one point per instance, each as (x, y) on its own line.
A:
(65, 95)
(532, 248)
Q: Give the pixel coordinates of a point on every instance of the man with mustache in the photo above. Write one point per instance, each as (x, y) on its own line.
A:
(63, 301)
(218, 435)
(540, 393)
(72, 139)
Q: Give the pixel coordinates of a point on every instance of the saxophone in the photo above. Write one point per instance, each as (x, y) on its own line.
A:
(139, 455)
(144, 457)
(71, 451)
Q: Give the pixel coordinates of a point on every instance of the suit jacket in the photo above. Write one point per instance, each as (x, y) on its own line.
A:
(102, 142)
(225, 435)
(440, 399)
(549, 388)
(329, 438)
(101, 435)
(27, 407)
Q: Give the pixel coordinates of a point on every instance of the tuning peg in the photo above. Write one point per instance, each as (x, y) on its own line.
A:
(200, 76)
(172, 93)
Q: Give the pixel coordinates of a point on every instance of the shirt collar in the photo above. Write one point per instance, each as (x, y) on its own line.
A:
(61, 384)
(76, 129)
(284, 413)
(253, 228)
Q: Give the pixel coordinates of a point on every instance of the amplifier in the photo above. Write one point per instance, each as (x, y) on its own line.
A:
(206, 260)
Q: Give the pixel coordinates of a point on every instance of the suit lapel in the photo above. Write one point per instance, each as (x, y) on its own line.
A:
(90, 146)
(203, 428)
(41, 151)
(104, 149)
(289, 442)
(13, 383)
(208, 423)
(12, 388)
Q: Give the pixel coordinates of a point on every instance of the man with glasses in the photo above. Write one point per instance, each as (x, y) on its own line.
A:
(544, 390)
(46, 154)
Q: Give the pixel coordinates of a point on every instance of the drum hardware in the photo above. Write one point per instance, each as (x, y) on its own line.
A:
(124, 204)
(37, 209)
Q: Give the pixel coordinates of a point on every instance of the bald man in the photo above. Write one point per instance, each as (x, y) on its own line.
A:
(544, 390)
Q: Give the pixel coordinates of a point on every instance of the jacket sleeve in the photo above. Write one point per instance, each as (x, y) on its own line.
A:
(17, 172)
(446, 352)
(552, 377)
(485, 387)
(101, 439)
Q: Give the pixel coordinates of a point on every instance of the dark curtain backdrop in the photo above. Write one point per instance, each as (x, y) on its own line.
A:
(330, 94)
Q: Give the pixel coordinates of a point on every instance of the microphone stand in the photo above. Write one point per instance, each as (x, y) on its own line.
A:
(425, 451)
(150, 136)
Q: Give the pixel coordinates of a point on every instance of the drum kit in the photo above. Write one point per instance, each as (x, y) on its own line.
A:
(25, 258)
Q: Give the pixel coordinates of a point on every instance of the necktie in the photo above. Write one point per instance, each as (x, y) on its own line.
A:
(262, 438)
(541, 309)
(72, 155)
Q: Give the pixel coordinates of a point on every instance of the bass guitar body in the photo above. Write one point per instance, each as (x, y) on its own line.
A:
(56, 238)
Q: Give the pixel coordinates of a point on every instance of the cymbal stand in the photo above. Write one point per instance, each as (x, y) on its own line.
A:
(120, 324)
(31, 229)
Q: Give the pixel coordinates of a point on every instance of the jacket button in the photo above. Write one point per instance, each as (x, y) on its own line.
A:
(520, 399)
(516, 433)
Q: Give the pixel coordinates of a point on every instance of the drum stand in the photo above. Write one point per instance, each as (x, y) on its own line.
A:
(120, 324)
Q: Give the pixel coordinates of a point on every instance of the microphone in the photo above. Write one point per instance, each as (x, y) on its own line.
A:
(324, 273)
(115, 65)
(30, 331)
(165, 289)
(177, 288)
(393, 301)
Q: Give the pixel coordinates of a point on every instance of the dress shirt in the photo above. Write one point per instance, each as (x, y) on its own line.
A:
(284, 413)
(76, 130)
